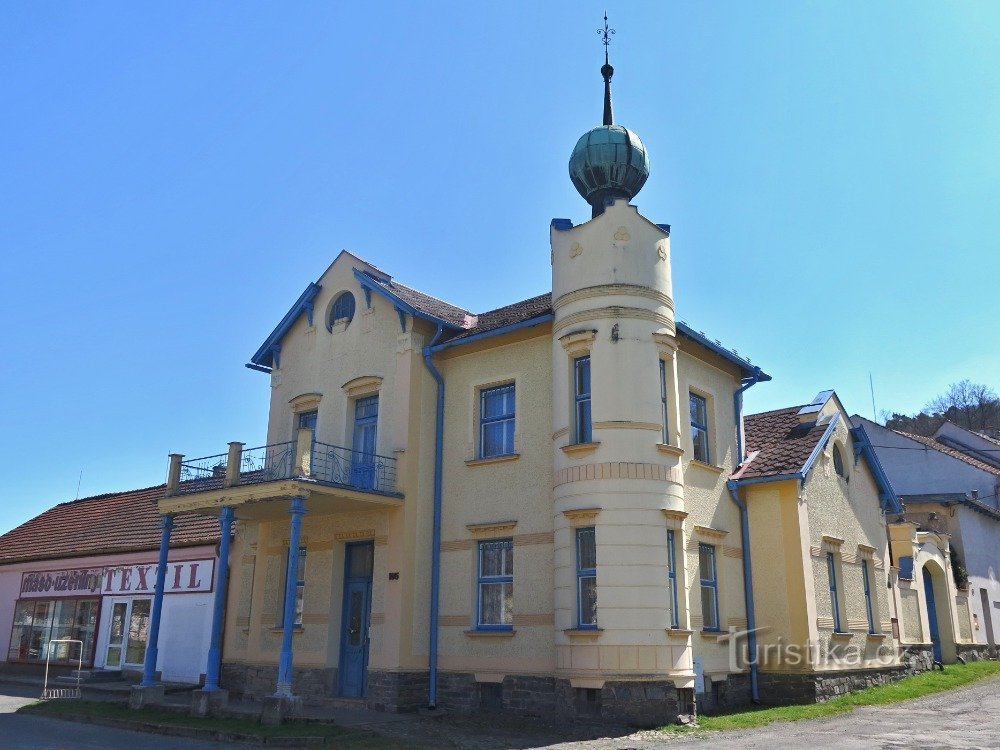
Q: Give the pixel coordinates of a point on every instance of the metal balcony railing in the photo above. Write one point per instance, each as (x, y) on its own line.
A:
(301, 459)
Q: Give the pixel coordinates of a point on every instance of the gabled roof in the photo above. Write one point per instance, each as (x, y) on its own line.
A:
(112, 523)
(780, 444)
(460, 325)
(953, 452)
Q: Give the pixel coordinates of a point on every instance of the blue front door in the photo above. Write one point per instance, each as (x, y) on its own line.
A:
(356, 619)
(365, 424)
(932, 614)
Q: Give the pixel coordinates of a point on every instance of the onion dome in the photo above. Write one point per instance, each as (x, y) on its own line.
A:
(608, 161)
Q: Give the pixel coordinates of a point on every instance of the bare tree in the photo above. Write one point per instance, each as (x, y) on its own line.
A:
(974, 406)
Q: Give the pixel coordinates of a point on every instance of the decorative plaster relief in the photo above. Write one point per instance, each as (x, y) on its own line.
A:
(305, 402)
(581, 515)
(622, 235)
(490, 527)
(577, 343)
(348, 535)
(575, 249)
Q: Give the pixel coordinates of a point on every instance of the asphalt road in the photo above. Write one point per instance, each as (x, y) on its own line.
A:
(40, 733)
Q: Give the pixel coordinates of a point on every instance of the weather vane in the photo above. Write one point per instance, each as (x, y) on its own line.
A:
(606, 34)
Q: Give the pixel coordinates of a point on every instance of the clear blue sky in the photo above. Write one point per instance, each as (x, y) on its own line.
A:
(173, 175)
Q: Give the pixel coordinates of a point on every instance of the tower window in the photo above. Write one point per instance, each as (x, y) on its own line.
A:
(342, 309)
(663, 403)
(586, 577)
(581, 395)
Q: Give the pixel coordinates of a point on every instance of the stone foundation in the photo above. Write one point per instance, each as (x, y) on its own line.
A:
(778, 689)
(724, 695)
(397, 692)
(916, 658)
(259, 681)
(976, 651)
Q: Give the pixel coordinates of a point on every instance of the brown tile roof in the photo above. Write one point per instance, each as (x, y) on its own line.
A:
(953, 452)
(115, 522)
(508, 315)
(426, 303)
(782, 443)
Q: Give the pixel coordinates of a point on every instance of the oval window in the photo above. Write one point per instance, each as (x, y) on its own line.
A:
(342, 310)
(838, 462)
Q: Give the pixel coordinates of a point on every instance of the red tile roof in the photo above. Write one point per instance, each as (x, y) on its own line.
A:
(953, 452)
(115, 522)
(782, 443)
(508, 315)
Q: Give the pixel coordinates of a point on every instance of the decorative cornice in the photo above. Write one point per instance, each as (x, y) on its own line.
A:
(490, 527)
(627, 425)
(708, 531)
(612, 312)
(361, 534)
(618, 290)
(581, 514)
(832, 541)
(866, 552)
(305, 401)
(578, 342)
(364, 385)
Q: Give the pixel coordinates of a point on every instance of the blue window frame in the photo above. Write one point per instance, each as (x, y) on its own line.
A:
(708, 574)
(495, 590)
(866, 580)
(343, 308)
(581, 397)
(672, 578)
(665, 419)
(586, 578)
(831, 569)
(306, 420)
(699, 427)
(496, 421)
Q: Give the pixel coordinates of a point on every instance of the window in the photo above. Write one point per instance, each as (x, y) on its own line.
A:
(306, 420)
(663, 403)
(866, 580)
(496, 585)
(699, 428)
(342, 309)
(586, 578)
(709, 587)
(672, 577)
(838, 462)
(300, 590)
(581, 396)
(831, 569)
(496, 421)
(36, 622)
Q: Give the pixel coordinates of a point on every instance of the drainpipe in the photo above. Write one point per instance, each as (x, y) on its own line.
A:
(436, 537)
(733, 487)
(747, 586)
(738, 410)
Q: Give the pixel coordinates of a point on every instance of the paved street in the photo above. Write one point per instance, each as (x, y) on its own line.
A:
(40, 733)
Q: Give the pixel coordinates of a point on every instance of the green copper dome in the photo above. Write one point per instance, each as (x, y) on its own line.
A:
(608, 162)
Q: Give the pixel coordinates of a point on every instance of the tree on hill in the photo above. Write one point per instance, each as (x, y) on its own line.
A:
(974, 406)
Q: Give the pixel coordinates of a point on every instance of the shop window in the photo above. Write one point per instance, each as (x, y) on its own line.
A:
(38, 622)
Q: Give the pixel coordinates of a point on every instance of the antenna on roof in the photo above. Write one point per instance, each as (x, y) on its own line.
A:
(78, 481)
(871, 386)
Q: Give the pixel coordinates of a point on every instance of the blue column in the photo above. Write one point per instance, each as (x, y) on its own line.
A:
(149, 666)
(288, 621)
(221, 589)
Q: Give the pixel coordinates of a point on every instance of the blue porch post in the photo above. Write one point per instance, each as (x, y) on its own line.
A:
(149, 666)
(297, 510)
(221, 589)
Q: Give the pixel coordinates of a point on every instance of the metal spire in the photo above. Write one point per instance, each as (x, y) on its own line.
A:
(606, 70)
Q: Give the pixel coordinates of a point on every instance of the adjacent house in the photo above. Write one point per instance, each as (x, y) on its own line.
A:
(949, 487)
(77, 585)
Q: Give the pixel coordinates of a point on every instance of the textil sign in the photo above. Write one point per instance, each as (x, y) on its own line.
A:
(188, 577)
(49, 584)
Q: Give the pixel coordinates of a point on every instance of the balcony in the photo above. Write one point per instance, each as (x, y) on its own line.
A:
(322, 468)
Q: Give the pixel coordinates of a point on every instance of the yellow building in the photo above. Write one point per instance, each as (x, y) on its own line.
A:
(527, 508)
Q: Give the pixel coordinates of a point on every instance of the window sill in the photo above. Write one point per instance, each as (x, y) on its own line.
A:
(583, 632)
(877, 636)
(281, 629)
(706, 467)
(838, 635)
(493, 459)
(473, 633)
(678, 632)
(578, 449)
(670, 450)
(712, 634)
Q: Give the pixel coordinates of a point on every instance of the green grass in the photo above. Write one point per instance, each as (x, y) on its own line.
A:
(152, 718)
(953, 676)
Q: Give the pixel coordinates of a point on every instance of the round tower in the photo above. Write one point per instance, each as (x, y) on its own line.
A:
(618, 484)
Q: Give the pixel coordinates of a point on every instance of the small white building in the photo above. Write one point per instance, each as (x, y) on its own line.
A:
(86, 570)
(950, 484)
